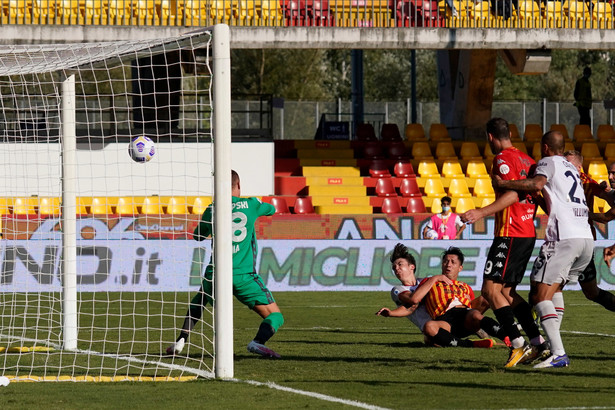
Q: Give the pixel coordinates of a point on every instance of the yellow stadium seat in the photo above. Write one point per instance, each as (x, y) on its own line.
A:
(428, 168)
(452, 169)
(609, 151)
(151, 206)
(469, 150)
(582, 132)
(487, 200)
(602, 14)
(599, 205)
(49, 206)
(271, 13)
(4, 205)
(590, 150)
(463, 204)
(520, 146)
(126, 205)
(554, 14)
(415, 132)
(434, 204)
(176, 205)
(421, 150)
(458, 188)
(537, 151)
(529, 14)
(605, 132)
(477, 169)
(488, 154)
(198, 204)
(483, 187)
(578, 13)
(597, 169)
(19, 11)
(481, 14)
(25, 205)
(102, 205)
(533, 132)
(445, 150)
(514, 132)
(96, 12)
(561, 128)
(434, 187)
(438, 132)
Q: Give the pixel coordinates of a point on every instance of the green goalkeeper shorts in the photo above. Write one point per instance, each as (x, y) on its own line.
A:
(248, 288)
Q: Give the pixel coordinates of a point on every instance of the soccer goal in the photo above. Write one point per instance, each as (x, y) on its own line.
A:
(97, 260)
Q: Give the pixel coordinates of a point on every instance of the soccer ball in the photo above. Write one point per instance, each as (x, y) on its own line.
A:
(431, 234)
(141, 149)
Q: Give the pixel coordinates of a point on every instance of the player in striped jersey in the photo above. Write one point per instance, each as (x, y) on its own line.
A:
(512, 246)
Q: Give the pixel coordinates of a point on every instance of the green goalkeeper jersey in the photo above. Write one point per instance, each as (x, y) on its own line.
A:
(245, 213)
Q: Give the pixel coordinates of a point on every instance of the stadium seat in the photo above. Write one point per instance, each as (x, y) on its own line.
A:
(303, 205)
(590, 151)
(578, 13)
(434, 204)
(602, 14)
(520, 146)
(151, 206)
(481, 14)
(438, 132)
(175, 205)
(372, 150)
(597, 170)
(463, 204)
(488, 154)
(5, 204)
(514, 133)
(533, 132)
(445, 150)
(198, 204)
(365, 132)
(554, 14)
(126, 205)
(609, 152)
(379, 169)
(476, 169)
(434, 187)
(49, 206)
(528, 14)
(25, 205)
(561, 128)
(397, 151)
(483, 187)
(537, 151)
(415, 132)
(390, 133)
(271, 13)
(487, 200)
(404, 169)
(391, 205)
(415, 205)
(280, 205)
(101, 206)
(582, 132)
(469, 150)
(384, 187)
(428, 169)
(452, 169)
(605, 132)
(421, 150)
(458, 188)
(408, 187)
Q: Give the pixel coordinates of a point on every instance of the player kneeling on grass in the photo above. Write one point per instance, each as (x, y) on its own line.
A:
(248, 286)
(404, 266)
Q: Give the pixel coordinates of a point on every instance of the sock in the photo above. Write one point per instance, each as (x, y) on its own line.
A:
(445, 339)
(558, 302)
(492, 328)
(197, 304)
(268, 327)
(505, 316)
(523, 313)
(550, 324)
(606, 299)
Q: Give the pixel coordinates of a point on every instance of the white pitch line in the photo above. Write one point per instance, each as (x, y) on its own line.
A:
(576, 332)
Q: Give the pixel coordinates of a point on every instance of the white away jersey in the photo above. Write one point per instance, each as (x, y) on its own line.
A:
(565, 200)
(420, 316)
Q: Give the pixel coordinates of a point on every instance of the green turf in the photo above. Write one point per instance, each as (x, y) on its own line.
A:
(333, 344)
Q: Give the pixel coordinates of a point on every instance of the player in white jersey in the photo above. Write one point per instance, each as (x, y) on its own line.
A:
(403, 265)
(568, 246)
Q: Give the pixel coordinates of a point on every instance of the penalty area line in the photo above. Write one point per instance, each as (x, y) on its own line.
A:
(577, 332)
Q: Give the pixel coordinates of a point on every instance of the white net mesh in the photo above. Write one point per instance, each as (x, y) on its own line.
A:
(137, 265)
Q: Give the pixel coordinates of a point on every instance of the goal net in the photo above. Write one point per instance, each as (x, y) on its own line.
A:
(97, 261)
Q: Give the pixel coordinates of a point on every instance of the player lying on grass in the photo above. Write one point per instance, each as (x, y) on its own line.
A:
(248, 286)
(404, 266)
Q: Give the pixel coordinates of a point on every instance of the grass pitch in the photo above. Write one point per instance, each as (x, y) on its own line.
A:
(337, 353)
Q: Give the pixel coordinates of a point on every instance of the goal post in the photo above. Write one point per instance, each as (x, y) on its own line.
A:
(97, 262)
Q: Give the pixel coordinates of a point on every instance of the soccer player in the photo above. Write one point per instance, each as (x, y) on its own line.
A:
(512, 246)
(449, 304)
(587, 279)
(403, 265)
(248, 286)
(569, 244)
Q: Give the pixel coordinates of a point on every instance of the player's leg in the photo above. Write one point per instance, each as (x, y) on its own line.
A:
(475, 320)
(590, 288)
(252, 292)
(439, 332)
(195, 311)
(525, 317)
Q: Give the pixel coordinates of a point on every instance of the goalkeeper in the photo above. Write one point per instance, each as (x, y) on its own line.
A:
(248, 286)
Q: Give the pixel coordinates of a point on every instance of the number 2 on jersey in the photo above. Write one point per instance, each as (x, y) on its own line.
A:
(575, 183)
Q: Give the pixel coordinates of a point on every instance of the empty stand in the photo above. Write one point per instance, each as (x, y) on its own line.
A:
(452, 169)
(469, 150)
(514, 132)
(408, 187)
(520, 146)
(390, 205)
(483, 188)
(537, 151)
(561, 128)
(582, 132)
(24, 205)
(421, 150)
(403, 169)
(151, 206)
(397, 151)
(435, 204)
(390, 133)
(415, 205)
(365, 132)
(280, 204)
(605, 132)
(462, 205)
(303, 205)
(533, 132)
(126, 205)
(49, 206)
(445, 150)
(101, 206)
(477, 169)
(458, 188)
(198, 204)
(529, 14)
(590, 151)
(385, 188)
(428, 168)
(602, 14)
(438, 132)
(597, 170)
(415, 132)
(434, 187)
(371, 150)
(175, 205)
(609, 152)
(379, 169)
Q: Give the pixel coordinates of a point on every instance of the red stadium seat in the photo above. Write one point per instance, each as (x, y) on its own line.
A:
(281, 207)
(365, 132)
(390, 132)
(391, 206)
(404, 169)
(379, 169)
(385, 187)
(416, 205)
(397, 150)
(409, 187)
(303, 205)
(372, 150)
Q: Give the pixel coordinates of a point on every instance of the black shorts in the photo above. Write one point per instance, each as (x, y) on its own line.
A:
(589, 274)
(456, 317)
(508, 258)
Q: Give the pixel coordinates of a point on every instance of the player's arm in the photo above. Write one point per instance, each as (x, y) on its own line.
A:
(401, 311)
(425, 287)
(203, 229)
(503, 201)
(533, 184)
(604, 217)
(480, 303)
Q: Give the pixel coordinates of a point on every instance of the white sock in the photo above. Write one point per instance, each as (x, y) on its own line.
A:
(558, 302)
(550, 324)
